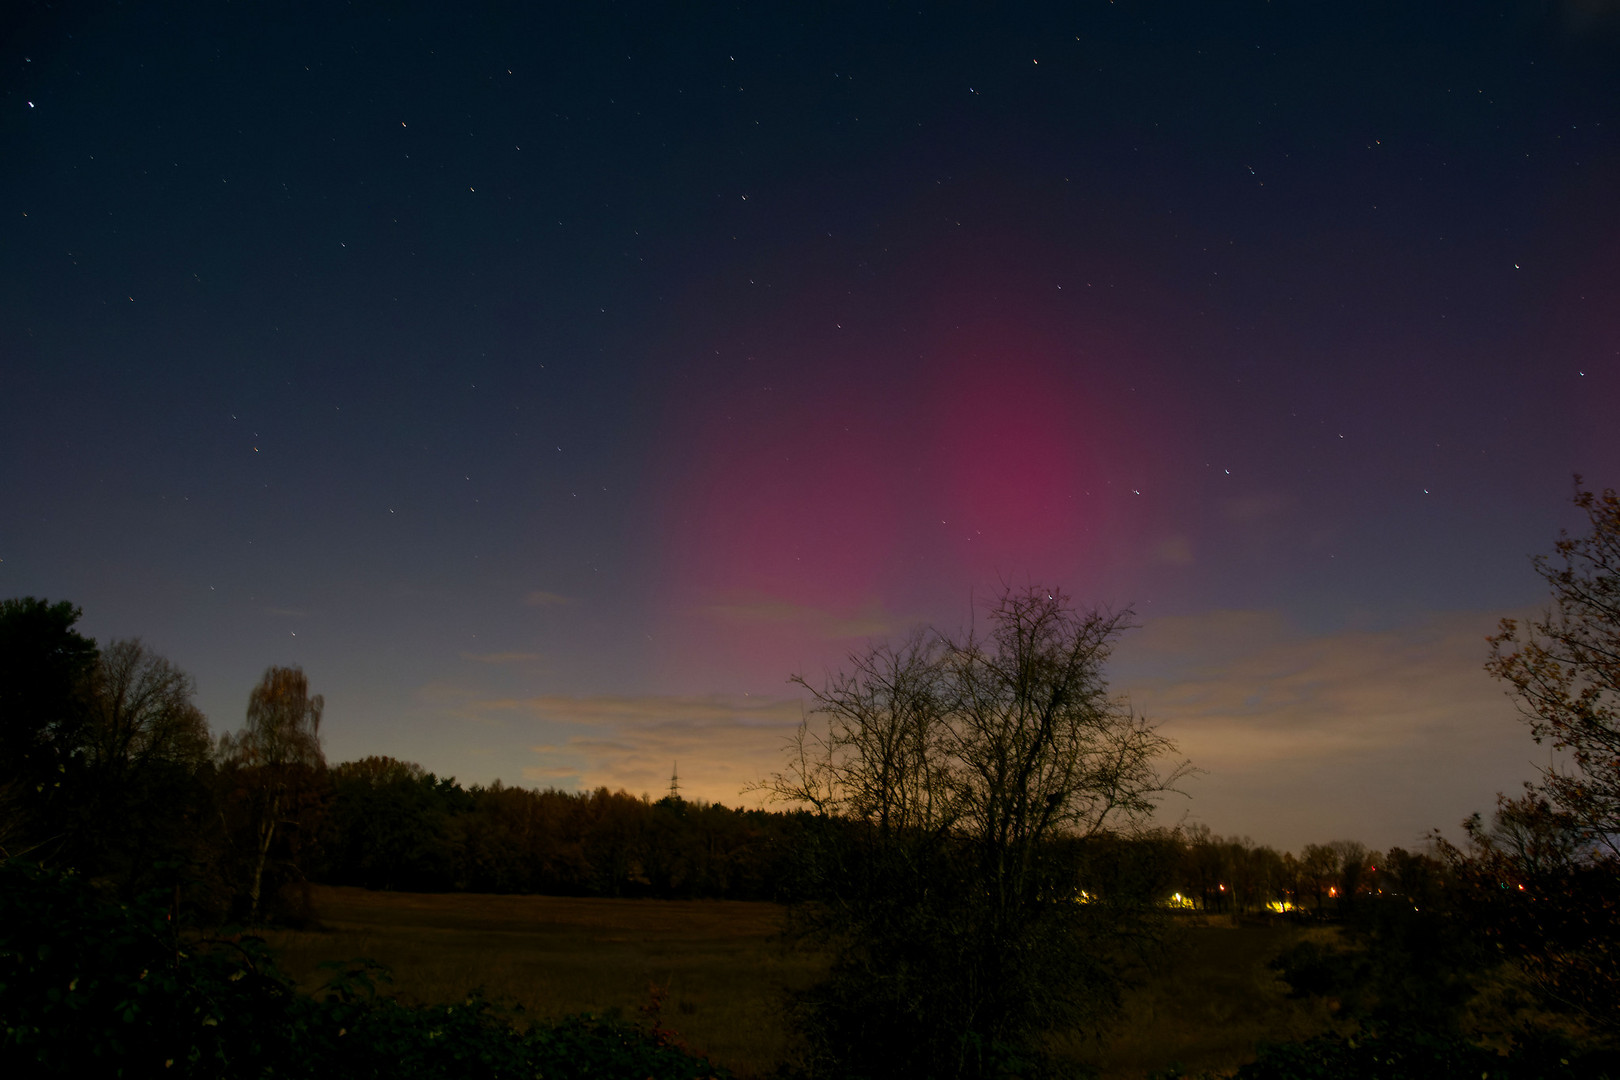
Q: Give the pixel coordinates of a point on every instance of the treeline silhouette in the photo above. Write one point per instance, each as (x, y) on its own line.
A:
(392, 825)
(128, 835)
(111, 784)
(107, 766)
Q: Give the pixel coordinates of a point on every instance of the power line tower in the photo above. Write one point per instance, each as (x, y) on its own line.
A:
(674, 781)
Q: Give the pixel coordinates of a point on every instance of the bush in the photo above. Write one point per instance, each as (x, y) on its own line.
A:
(92, 988)
(1407, 1053)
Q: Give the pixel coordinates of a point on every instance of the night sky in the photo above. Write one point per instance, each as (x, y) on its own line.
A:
(553, 381)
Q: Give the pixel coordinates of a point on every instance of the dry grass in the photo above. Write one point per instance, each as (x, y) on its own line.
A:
(725, 974)
(1213, 1000)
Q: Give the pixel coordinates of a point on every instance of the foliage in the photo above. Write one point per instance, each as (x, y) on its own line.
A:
(104, 760)
(953, 778)
(1405, 953)
(1546, 872)
(604, 843)
(1425, 955)
(1564, 669)
(273, 767)
(385, 826)
(283, 723)
(1412, 1052)
(89, 988)
(1233, 875)
(127, 792)
(1317, 969)
(44, 665)
(141, 713)
(1557, 920)
(143, 772)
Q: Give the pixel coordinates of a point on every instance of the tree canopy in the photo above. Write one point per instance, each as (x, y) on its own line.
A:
(1548, 865)
(959, 780)
(1564, 669)
(44, 668)
(277, 756)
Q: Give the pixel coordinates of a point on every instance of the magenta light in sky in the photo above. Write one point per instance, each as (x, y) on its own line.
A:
(852, 479)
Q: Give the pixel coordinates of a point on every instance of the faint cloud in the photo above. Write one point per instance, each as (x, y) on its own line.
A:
(287, 613)
(1177, 551)
(1252, 691)
(541, 598)
(719, 744)
(1306, 736)
(1209, 637)
(763, 611)
(501, 657)
(1254, 508)
(552, 776)
(869, 621)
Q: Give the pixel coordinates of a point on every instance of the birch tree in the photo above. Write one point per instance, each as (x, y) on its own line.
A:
(276, 756)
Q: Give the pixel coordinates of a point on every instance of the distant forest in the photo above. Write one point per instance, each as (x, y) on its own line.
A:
(960, 855)
(115, 773)
(391, 825)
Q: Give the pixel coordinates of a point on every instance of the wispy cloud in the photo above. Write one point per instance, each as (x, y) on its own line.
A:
(556, 777)
(501, 657)
(286, 613)
(541, 598)
(720, 744)
(1248, 509)
(1379, 734)
(1174, 550)
(1330, 726)
(866, 622)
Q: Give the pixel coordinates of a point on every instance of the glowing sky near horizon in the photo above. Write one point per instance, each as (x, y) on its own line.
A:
(553, 386)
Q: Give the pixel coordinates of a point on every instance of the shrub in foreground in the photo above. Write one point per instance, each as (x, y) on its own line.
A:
(92, 988)
(1407, 1053)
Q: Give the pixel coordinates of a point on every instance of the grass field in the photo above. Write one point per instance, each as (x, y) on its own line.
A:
(724, 972)
(1207, 1007)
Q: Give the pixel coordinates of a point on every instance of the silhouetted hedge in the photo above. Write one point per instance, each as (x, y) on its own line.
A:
(1411, 1053)
(94, 988)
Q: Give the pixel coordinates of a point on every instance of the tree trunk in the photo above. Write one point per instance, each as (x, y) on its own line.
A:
(267, 832)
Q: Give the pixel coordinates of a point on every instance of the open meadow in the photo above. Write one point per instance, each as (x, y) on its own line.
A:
(724, 972)
(720, 969)
(1209, 1003)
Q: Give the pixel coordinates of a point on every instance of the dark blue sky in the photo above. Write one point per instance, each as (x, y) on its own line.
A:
(552, 385)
